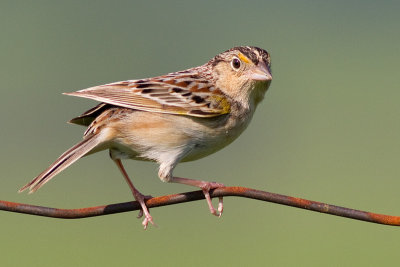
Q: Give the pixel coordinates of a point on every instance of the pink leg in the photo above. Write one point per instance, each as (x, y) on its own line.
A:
(137, 195)
(206, 187)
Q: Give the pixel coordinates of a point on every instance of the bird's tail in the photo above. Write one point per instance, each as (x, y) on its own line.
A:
(66, 159)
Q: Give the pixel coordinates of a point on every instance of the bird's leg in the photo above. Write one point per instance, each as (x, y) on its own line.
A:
(137, 195)
(206, 187)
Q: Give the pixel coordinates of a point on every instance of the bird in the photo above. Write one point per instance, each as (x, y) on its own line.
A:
(178, 117)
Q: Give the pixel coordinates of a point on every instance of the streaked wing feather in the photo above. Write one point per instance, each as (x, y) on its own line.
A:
(87, 117)
(175, 93)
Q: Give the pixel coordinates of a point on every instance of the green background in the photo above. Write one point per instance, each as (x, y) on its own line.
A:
(328, 131)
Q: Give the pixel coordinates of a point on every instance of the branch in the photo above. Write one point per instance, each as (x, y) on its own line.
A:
(198, 195)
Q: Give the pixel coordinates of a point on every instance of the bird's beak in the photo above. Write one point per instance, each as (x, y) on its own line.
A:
(260, 73)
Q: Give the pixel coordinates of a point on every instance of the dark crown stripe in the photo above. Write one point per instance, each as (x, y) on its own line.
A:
(255, 54)
(248, 52)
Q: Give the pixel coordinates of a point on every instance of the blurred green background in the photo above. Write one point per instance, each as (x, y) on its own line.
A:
(328, 130)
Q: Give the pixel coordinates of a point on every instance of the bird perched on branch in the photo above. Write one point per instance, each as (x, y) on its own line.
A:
(181, 116)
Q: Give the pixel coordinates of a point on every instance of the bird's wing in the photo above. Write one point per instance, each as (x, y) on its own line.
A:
(183, 93)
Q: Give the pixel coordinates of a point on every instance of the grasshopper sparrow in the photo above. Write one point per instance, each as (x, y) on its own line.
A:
(177, 117)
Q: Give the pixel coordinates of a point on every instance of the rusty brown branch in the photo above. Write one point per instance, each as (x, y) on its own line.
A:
(197, 195)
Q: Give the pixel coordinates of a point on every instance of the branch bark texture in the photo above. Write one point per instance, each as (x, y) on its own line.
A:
(198, 195)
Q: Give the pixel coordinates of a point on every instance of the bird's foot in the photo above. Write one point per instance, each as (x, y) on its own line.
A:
(144, 211)
(206, 187)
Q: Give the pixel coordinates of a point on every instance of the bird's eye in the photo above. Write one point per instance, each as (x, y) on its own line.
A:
(235, 63)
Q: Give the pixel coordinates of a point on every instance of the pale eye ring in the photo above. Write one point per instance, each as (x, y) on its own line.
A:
(236, 63)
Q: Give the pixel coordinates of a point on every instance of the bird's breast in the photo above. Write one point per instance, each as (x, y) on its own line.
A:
(156, 136)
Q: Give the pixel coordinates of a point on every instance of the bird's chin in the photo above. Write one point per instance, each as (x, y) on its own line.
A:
(261, 84)
(258, 92)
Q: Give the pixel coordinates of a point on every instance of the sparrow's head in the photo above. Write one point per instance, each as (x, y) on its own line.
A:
(243, 73)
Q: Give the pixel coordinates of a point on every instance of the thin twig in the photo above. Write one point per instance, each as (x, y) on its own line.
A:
(197, 195)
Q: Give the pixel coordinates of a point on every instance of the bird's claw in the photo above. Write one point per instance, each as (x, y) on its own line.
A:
(148, 219)
(220, 206)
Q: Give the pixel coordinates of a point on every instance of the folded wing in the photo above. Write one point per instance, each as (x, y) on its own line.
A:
(176, 93)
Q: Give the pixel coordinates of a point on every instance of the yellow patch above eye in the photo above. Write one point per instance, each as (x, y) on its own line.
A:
(243, 58)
